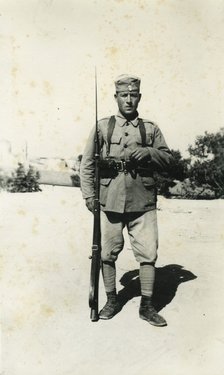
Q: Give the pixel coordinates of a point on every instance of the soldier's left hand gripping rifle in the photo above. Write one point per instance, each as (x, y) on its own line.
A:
(96, 243)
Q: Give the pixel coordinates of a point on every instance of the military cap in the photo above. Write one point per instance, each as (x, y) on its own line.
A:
(126, 82)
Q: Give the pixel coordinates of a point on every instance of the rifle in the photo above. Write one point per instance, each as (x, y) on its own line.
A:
(96, 243)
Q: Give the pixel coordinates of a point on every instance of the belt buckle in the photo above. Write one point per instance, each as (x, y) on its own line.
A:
(123, 166)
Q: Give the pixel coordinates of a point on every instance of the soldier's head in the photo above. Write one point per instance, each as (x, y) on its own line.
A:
(127, 94)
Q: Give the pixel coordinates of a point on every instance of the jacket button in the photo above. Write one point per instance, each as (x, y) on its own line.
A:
(125, 146)
(126, 134)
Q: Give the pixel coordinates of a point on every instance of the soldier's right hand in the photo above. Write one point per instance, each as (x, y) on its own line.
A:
(90, 203)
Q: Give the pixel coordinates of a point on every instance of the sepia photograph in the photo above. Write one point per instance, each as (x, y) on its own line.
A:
(112, 187)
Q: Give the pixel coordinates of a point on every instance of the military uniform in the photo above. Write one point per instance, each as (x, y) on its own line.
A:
(127, 198)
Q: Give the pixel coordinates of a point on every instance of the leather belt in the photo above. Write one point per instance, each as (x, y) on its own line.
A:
(111, 166)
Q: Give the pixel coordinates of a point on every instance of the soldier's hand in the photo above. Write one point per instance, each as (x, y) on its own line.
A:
(141, 153)
(90, 203)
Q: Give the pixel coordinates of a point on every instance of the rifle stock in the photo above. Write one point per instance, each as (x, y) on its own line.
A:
(96, 244)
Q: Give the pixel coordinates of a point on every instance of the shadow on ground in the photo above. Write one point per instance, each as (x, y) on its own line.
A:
(167, 280)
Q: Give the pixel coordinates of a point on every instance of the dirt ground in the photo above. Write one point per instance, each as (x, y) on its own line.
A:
(46, 329)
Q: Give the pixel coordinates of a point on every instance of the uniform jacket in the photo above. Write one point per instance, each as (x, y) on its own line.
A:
(125, 192)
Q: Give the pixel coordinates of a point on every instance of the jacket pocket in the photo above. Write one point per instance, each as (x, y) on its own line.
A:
(116, 139)
(148, 182)
(150, 190)
(148, 140)
(104, 185)
(115, 145)
(105, 181)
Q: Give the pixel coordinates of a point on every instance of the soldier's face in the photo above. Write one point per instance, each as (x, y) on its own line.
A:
(127, 102)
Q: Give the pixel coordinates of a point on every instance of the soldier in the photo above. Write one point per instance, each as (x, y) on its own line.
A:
(131, 150)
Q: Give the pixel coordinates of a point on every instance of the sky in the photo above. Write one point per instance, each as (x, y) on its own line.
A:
(50, 48)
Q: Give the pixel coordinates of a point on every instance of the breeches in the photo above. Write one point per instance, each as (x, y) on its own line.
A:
(142, 230)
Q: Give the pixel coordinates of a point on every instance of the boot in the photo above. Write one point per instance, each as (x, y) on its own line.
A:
(147, 312)
(111, 308)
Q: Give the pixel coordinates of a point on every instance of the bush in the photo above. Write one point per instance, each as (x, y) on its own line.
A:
(207, 167)
(4, 181)
(177, 171)
(23, 181)
(75, 180)
(188, 190)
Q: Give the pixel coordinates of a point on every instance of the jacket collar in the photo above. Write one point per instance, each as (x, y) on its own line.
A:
(121, 120)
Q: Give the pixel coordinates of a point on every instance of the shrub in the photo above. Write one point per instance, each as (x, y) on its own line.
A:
(4, 180)
(24, 181)
(75, 180)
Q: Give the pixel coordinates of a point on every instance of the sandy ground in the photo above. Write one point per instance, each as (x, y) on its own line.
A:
(45, 243)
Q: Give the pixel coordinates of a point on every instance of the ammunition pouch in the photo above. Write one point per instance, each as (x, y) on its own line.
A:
(108, 168)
